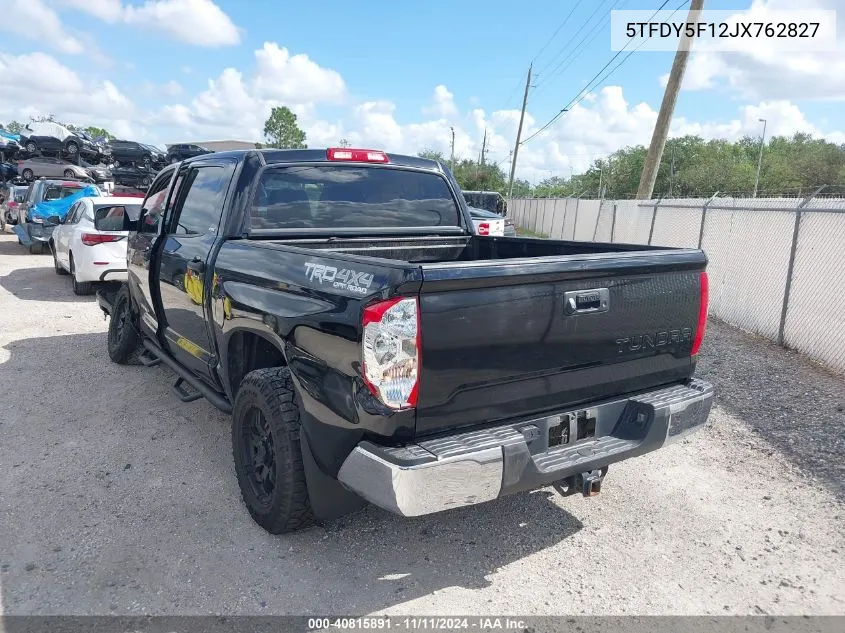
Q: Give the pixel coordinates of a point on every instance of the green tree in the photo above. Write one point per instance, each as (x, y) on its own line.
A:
(431, 154)
(96, 132)
(281, 130)
(471, 176)
(343, 142)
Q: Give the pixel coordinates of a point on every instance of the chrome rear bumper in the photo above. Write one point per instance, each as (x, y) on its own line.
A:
(478, 466)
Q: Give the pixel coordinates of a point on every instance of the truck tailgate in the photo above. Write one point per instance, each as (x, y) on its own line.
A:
(508, 339)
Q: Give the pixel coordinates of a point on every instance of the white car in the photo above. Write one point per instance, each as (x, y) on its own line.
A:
(91, 243)
(487, 223)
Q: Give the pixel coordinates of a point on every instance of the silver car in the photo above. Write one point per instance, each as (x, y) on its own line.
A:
(43, 166)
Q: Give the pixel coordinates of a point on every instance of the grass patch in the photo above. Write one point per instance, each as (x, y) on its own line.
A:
(526, 233)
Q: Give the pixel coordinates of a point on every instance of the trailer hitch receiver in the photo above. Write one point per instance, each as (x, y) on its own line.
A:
(591, 482)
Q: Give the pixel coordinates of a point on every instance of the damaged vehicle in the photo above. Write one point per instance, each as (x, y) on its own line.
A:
(46, 206)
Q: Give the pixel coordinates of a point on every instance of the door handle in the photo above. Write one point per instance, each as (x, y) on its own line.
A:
(196, 265)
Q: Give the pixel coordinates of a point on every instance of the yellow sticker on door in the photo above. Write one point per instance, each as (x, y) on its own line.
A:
(192, 348)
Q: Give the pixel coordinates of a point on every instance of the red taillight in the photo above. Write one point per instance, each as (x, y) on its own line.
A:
(484, 228)
(12, 204)
(92, 239)
(357, 155)
(702, 315)
(391, 351)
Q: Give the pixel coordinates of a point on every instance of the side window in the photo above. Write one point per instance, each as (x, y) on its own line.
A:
(76, 212)
(200, 200)
(71, 213)
(80, 212)
(153, 207)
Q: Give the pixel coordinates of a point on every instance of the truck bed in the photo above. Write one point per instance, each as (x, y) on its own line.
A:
(498, 341)
(459, 249)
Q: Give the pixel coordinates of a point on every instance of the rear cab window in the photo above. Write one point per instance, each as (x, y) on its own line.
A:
(346, 196)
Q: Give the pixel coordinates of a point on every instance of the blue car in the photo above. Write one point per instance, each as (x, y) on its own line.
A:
(8, 171)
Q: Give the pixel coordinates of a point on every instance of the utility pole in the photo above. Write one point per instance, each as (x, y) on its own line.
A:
(601, 175)
(452, 160)
(667, 108)
(760, 157)
(519, 131)
(672, 172)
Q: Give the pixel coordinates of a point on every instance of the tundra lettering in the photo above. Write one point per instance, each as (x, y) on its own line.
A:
(642, 342)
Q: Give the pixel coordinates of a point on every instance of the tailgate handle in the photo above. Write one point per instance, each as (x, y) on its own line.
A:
(586, 301)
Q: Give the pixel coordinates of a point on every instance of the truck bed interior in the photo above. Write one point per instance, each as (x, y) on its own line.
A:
(460, 248)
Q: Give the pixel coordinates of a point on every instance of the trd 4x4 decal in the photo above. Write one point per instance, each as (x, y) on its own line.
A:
(343, 278)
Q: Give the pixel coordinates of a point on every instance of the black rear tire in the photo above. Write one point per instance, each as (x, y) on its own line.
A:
(124, 342)
(56, 265)
(69, 173)
(267, 452)
(36, 248)
(80, 288)
(28, 175)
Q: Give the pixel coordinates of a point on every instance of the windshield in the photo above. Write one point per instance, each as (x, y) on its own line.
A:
(335, 196)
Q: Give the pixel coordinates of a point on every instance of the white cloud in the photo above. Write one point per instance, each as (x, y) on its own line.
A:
(197, 22)
(764, 72)
(33, 19)
(44, 86)
(294, 78)
(236, 106)
(783, 118)
(442, 103)
(236, 103)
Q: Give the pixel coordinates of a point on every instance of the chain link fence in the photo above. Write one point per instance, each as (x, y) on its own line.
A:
(776, 265)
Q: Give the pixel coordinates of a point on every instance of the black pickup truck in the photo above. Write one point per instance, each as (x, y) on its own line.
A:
(370, 347)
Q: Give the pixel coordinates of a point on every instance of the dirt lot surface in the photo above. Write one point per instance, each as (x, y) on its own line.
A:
(117, 498)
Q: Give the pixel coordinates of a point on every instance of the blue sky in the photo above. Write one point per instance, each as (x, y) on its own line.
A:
(393, 75)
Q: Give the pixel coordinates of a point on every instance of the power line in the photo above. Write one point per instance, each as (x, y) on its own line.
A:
(513, 92)
(624, 59)
(562, 24)
(543, 48)
(567, 61)
(577, 33)
(575, 100)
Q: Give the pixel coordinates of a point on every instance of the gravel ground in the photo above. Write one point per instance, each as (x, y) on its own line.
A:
(117, 498)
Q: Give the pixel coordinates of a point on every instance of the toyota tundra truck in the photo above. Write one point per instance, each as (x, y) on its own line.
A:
(370, 347)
